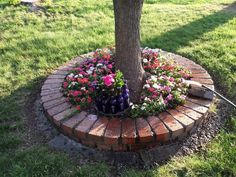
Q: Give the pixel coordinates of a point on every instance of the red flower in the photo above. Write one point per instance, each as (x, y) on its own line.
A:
(65, 85)
(78, 107)
(89, 99)
(151, 89)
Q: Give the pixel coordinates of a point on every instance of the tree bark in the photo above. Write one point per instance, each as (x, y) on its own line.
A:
(127, 37)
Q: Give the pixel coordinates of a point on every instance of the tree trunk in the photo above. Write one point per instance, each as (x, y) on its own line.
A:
(127, 36)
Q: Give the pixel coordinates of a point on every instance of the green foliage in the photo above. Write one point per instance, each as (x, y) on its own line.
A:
(14, 2)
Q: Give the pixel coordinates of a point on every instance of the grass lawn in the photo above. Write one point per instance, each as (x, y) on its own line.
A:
(33, 44)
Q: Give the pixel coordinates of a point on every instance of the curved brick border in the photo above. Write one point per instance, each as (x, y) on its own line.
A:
(124, 134)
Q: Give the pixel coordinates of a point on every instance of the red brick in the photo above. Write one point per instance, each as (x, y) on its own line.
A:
(50, 97)
(83, 128)
(198, 71)
(190, 113)
(196, 107)
(144, 131)
(55, 76)
(49, 92)
(162, 133)
(102, 146)
(174, 126)
(113, 131)
(54, 103)
(51, 86)
(183, 119)
(63, 115)
(69, 124)
(119, 147)
(203, 81)
(57, 109)
(128, 131)
(54, 81)
(200, 101)
(97, 131)
(88, 142)
(201, 75)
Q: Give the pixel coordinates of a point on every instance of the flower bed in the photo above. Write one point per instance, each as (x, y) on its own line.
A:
(96, 82)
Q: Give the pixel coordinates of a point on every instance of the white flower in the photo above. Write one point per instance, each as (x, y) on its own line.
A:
(91, 68)
(144, 104)
(146, 86)
(80, 75)
(156, 86)
(99, 64)
(143, 108)
(83, 88)
(154, 78)
(76, 76)
(147, 99)
(71, 75)
(89, 71)
(145, 60)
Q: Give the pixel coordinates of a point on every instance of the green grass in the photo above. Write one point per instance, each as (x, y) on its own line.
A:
(34, 44)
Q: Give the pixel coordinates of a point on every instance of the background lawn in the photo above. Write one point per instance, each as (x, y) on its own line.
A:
(33, 44)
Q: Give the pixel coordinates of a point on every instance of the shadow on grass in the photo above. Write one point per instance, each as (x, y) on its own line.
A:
(180, 37)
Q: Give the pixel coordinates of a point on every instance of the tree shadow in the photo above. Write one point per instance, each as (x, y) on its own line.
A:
(180, 37)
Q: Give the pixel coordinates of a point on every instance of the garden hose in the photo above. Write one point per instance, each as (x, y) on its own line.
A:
(204, 86)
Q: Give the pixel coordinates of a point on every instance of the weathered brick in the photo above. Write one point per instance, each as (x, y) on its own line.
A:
(144, 131)
(102, 146)
(183, 119)
(57, 109)
(190, 113)
(201, 75)
(54, 103)
(60, 72)
(49, 92)
(128, 131)
(54, 81)
(97, 131)
(200, 101)
(174, 126)
(119, 147)
(162, 133)
(88, 142)
(51, 86)
(56, 76)
(51, 97)
(196, 107)
(203, 81)
(62, 115)
(113, 131)
(69, 124)
(83, 128)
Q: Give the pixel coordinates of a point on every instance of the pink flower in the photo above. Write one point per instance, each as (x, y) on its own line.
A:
(108, 80)
(171, 79)
(76, 93)
(109, 66)
(168, 89)
(169, 97)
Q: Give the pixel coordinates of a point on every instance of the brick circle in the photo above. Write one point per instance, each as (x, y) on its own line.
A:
(125, 134)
